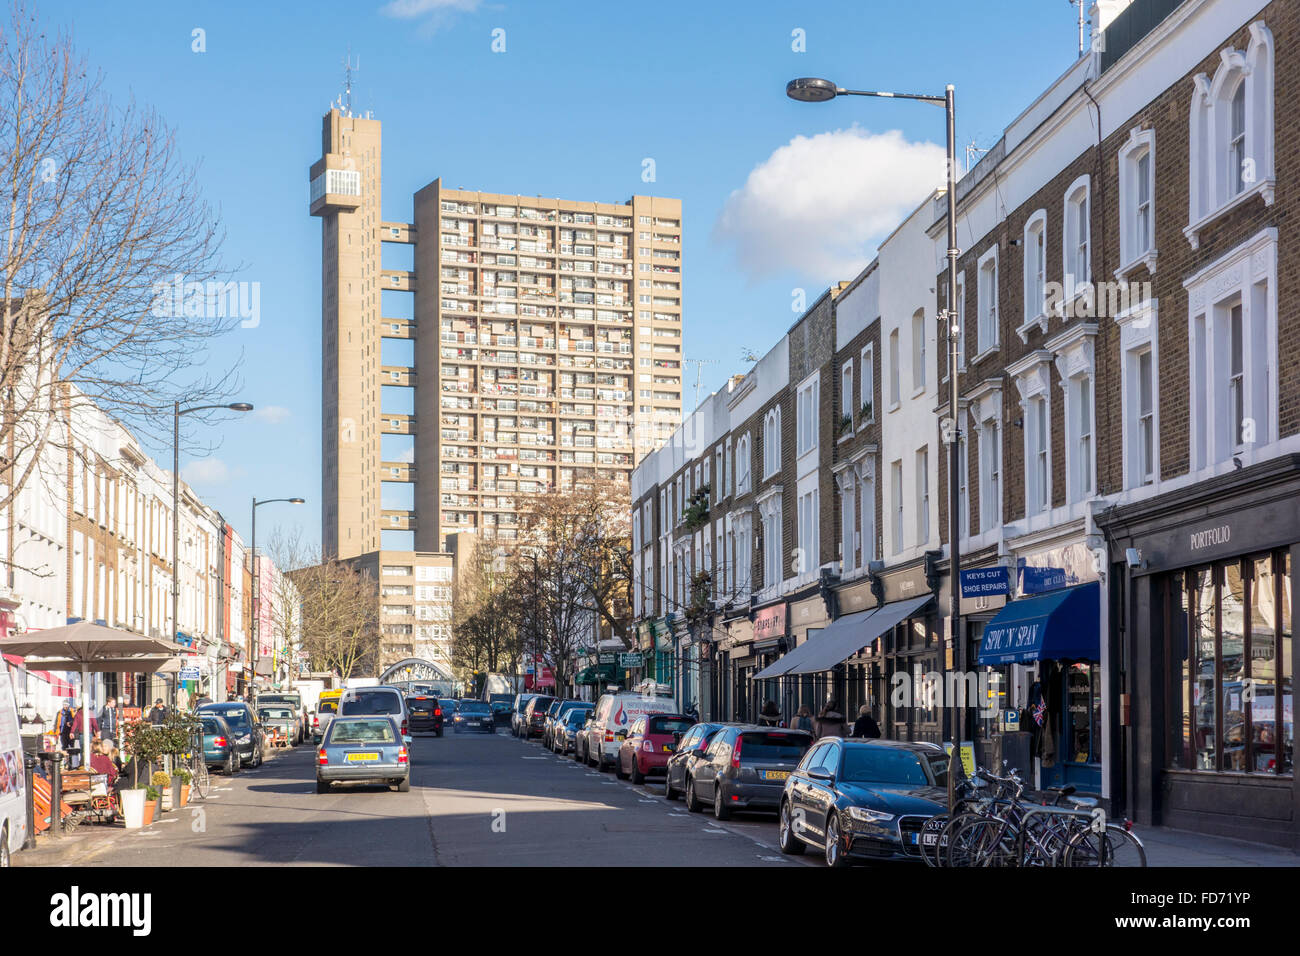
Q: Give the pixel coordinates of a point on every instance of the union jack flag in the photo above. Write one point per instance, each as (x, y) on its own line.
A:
(1040, 712)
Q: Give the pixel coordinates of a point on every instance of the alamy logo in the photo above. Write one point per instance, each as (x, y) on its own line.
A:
(208, 300)
(76, 909)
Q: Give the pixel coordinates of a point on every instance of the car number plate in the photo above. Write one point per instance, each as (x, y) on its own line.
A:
(776, 774)
(359, 758)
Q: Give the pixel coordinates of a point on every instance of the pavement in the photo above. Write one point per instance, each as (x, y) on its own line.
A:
(475, 800)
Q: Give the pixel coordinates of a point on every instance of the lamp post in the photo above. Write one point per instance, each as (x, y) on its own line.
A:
(813, 90)
(257, 579)
(177, 412)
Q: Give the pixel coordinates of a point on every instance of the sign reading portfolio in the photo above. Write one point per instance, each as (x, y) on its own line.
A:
(982, 581)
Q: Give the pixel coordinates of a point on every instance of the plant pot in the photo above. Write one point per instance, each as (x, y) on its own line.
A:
(133, 808)
(185, 794)
(150, 808)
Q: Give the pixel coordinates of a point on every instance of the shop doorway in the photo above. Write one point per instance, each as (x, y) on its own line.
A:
(1077, 722)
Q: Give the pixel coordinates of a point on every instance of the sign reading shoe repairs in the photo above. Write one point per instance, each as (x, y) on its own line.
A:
(980, 582)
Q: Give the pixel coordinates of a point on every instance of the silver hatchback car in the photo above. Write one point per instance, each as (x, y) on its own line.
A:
(363, 750)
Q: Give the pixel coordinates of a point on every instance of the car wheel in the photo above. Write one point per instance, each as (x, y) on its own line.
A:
(322, 786)
(438, 732)
(577, 757)
(638, 777)
(404, 786)
(692, 804)
(788, 840)
(232, 764)
(835, 856)
(669, 792)
(618, 768)
(720, 809)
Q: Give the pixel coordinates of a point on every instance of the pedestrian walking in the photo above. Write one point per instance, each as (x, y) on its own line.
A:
(865, 726)
(830, 722)
(770, 715)
(803, 719)
(63, 725)
(158, 715)
(108, 722)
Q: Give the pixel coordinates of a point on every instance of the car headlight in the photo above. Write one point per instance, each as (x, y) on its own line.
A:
(867, 815)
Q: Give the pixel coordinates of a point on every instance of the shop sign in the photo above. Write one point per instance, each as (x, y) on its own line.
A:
(1038, 580)
(979, 582)
(630, 660)
(770, 622)
(606, 658)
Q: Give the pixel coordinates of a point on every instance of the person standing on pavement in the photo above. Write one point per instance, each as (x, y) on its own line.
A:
(158, 714)
(770, 716)
(63, 725)
(865, 726)
(108, 722)
(78, 729)
(803, 719)
(830, 722)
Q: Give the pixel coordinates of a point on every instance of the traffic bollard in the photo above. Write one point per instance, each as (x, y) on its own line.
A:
(29, 762)
(56, 794)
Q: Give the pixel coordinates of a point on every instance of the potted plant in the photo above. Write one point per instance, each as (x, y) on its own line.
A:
(846, 424)
(865, 412)
(183, 778)
(151, 797)
(161, 782)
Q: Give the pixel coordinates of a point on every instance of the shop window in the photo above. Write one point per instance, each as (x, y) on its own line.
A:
(1229, 639)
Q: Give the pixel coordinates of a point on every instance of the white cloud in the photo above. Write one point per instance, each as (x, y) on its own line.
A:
(206, 471)
(271, 414)
(820, 204)
(435, 13)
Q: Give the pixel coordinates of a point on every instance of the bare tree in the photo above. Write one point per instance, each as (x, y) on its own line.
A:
(338, 608)
(486, 611)
(110, 288)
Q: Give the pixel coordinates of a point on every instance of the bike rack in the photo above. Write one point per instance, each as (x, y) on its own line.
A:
(1035, 811)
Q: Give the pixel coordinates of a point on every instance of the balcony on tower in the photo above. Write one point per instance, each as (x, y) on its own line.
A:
(334, 188)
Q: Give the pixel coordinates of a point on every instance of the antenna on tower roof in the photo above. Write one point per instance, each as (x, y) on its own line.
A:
(345, 101)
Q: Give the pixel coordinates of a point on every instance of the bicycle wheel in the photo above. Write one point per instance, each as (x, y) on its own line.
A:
(938, 854)
(970, 841)
(199, 771)
(1116, 846)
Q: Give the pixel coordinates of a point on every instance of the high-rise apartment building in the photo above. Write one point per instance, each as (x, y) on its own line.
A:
(519, 345)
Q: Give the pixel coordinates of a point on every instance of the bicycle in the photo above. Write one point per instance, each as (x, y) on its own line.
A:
(200, 782)
(1020, 835)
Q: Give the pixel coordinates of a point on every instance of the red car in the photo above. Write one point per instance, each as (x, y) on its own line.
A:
(650, 741)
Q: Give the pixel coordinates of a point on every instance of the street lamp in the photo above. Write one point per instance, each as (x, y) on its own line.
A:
(816, 90)
(257, 579)
(177, 412)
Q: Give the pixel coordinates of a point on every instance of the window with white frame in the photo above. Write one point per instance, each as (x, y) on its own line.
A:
(1230, 131)
(720, 549)
(986, 336)
(1035, 278)
(961, 320)
(728, 470)
(922, 484)
(772, 442)
(867, 512)
(1075, 350)
(707, 467)
(894, 389)
(1137, 199)
(1077, 239)
(867, 385)
(809, 558)
(742, 464)
(846, 391)
(1234, 352)
(809, 406)
(963, 500)
(1037, 467)
(1139, 375)
(918, 350)
(990, 464)
(847, 482)
(896, 510)
(770, 514)
(720, 489)
(1081, 440)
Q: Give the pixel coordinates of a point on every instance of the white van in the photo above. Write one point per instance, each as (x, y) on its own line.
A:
(13, 780)
(610, 720)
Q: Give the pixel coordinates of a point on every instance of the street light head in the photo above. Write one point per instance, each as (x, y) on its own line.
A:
(240, 407)
(808, 89)
(296, 501)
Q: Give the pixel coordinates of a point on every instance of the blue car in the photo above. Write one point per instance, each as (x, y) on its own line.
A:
(863, 798)
(219, 748)
(245, 726)
(363, 749)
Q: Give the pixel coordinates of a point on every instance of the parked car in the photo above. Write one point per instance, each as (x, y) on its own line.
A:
(535, 717)
(426, 713)
(327, 705)
(863, 798)
(517, 713)
(650, 741)
(375, 701)
(501, 706)
(565, 734)
(689, 749)
(243, 723)
(554, 714)
(279, 717)
(363, 749)
(613, 714)
(474, 715)
(219, 743)
(745, 768)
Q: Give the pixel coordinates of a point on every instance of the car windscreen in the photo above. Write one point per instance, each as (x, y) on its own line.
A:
(362, 732)
(328, 706)
(773, 746)
(372, 702)
(275, 713)
(578, 716)
(211, 725)
(474, 707)
(939, 768)
(236, 717)
(882, 765)
(670, 725)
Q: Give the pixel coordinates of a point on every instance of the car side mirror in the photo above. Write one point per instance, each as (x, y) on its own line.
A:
(822, 775)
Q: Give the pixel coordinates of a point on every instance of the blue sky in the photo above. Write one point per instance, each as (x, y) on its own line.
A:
(776, 195)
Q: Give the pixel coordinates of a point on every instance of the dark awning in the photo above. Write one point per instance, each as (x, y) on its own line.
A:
(843, 638)
(1061, 625)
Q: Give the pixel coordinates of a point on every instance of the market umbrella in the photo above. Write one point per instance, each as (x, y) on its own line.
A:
(89, 647)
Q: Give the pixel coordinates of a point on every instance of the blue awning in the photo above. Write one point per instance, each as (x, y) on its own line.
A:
(1061, 625)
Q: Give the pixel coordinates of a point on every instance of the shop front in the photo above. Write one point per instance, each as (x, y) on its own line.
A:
(1203, 623)
(770, 641)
